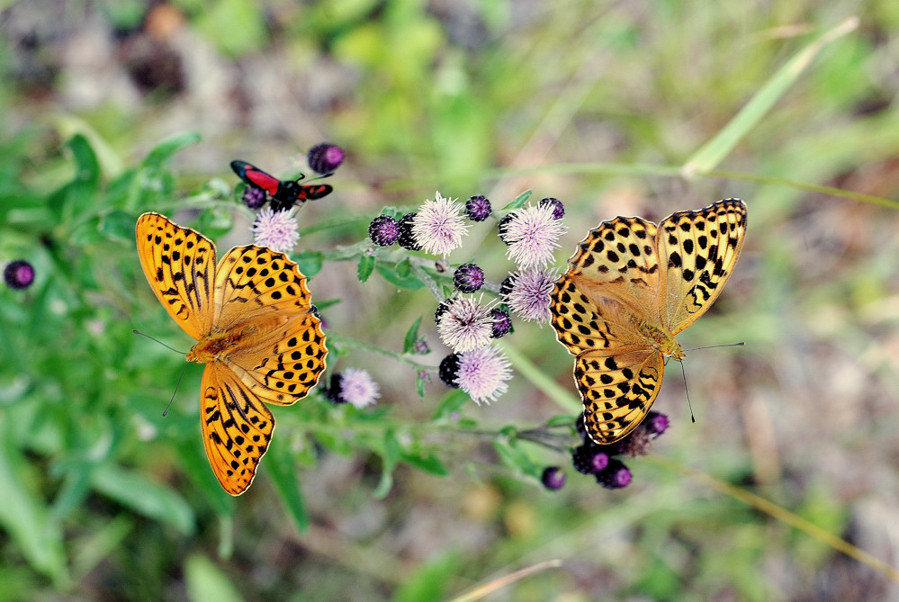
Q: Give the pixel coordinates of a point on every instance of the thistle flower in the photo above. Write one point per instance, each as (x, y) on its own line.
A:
(406, 238)
(589, 458)
(324, 158)
(477, 208)
(553, 478)
(556, 204)
(483, 373)
(656, 423)
(502, 322)
(253, 197)
(449, 367)
(615, 476)
(353, 386)
(529, 296)
(532, 234)
(276, 230)
(438, 228)
(468, 278)
(19, 274)
(384, 230)
(466, 324)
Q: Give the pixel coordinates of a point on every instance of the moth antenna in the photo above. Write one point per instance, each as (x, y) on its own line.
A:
(180, 376)
(158, 341)
(687, 389)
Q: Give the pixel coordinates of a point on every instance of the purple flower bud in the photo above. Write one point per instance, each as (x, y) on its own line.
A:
(253, 197)
(558, 207)
(553, 478)
(324, 158)
(19, 274)
(384, 230)
(615, 476)
(468, 278)
(477, 208)
(502, 322)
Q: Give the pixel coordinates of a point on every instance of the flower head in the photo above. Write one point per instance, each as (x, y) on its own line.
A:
(615, 476)
(19, 274)
(529, 296)
(477, 208)
(556, 204)
(657, 423)
(502, 322)
(253, 197)
(466, 324)
(276, 230)
(406, 239)
(589, 458)
(532, 235)
(449, 368)
(468, 278)
(553, 478)
(353, 386)
(483, 373)
(438, 227)
(384, 230)
(324, 158)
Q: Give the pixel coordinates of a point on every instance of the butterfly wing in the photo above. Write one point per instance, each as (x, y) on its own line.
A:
(254, 176)
(612, 277)
(700, 248)
(179, 264)
(618, 387)
(237, 427)
(282, 354)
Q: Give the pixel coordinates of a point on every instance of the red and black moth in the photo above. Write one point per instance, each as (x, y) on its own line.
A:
(284, 193)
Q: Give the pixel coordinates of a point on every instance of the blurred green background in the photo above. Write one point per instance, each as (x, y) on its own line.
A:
(115, 108)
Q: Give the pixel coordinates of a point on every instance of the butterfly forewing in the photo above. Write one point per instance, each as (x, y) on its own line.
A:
(701, 249)
(179, 264)
(237, 428)
(617, 387)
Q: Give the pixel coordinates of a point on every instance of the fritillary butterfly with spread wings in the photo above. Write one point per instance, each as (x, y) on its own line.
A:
(630, 287)
(255, 331)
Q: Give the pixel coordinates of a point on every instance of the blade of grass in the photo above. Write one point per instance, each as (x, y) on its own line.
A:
(537, 377)
(715, 150)
(492, 586)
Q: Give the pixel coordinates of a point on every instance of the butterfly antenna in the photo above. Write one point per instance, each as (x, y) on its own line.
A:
(180, 376)
(715, 346)
(158, 341)
(687, 389)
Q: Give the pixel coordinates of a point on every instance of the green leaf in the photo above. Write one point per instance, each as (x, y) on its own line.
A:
(451, 403)
(389, 457)
(561, 420)
(309, 262)
(519, 201)
(27, 519)
(715, 150)
(134, 490)
(366, 267)
(411, 336)
(404, 268)
(428, 463)
(281, 470)
(118, 225)
(430, 580)
(205, 581)
(420, 383)
(390, 275)
(167, 148)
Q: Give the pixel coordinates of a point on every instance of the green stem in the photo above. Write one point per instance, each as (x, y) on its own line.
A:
(537, 377)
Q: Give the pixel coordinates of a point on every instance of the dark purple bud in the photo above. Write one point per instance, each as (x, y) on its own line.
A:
(324, 158)
(553, 478)
(384, 230)
(477, 208)
(468, 278)
(558, 207)
(19, 274)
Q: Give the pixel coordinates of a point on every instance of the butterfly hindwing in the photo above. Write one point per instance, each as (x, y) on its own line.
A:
(618, 387)
(179, 264)
(700, 249)
(236, 425)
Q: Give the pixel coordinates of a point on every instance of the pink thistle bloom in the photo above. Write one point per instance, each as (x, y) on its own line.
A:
(466, 324)
(276, 230)
(438, 226)
(532, 235)
(483, 373)
(529, 294)
(358, 388)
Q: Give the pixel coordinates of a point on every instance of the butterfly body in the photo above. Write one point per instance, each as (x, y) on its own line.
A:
(255, 330)
(285, 193)
(630, 288)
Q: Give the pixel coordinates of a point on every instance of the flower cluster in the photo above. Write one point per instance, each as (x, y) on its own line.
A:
(353, 386)
(602, 461)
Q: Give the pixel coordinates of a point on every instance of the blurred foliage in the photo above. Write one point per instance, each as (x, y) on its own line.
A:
(599, 104)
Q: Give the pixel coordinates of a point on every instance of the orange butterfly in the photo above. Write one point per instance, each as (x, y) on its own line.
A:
(255, 331)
